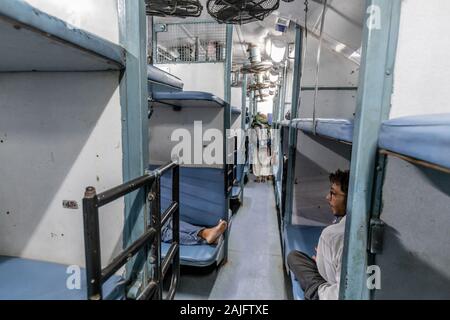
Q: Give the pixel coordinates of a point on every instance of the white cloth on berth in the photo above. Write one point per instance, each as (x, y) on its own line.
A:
(329, 259)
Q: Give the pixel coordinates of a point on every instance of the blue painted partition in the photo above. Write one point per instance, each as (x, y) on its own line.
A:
(424, 137)
(25, 279)
(303, 239)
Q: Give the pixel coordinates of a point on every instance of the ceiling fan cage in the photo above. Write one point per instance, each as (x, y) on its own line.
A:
(241, 11)
(177, 8)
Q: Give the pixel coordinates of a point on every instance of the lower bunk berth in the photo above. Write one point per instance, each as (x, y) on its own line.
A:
(303, 239)
(26, 279)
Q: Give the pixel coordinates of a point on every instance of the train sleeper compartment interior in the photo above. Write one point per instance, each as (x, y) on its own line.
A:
(415, 193)
(317, 156)
(204, 194)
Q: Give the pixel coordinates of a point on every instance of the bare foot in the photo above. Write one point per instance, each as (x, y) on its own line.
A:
(212, 234)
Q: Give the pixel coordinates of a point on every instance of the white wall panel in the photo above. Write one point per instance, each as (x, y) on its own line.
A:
(61, 132)
(422, 72)
(99, 17)
(207, 77)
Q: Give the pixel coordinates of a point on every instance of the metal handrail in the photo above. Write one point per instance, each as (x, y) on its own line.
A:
(95, 275)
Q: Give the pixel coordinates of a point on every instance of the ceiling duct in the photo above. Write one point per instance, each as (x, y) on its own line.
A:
(241, 11)
(255, 64)
(176, 8)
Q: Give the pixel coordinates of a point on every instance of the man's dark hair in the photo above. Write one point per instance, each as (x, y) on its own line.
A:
(341, 178)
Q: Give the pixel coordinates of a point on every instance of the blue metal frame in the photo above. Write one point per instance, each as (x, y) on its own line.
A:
(227, 121)
(133, 92)
(243, 119)
(292, 131)
(373, 105)
(228, 64)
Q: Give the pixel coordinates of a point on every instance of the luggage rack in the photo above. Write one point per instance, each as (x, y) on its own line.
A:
(150, 241)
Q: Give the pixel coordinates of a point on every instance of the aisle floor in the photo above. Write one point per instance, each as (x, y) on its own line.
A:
(254, 270)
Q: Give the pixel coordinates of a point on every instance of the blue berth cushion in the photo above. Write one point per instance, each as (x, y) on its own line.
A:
(424, 137)
(236, 192)
(198, 255)
(159, 76)
(202, 195)
(339, 129)
(304, 239)
(188, 99)
(24, 279)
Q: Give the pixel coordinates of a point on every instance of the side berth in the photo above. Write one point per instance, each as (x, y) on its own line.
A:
(336, 129)
(412, 185)
(310, 209)
(304, 239)
(425, 138)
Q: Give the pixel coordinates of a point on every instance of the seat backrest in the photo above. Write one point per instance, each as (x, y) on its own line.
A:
(202, 195)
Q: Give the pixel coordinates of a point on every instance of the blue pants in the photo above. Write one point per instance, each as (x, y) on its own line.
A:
(188, 233)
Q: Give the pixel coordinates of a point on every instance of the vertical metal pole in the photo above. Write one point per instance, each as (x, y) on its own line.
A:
(134, 95)
(92, 244)
(154, 43)
(242, 147)
(319, 53)
(176, 219)
(228, 63)
(283, 92)
(156, 219)
(292, 131)
(373, 104)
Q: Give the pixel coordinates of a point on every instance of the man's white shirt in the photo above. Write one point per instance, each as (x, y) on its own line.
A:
(329, 259)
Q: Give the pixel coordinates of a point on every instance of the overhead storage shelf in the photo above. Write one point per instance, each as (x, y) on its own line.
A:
(32, 40)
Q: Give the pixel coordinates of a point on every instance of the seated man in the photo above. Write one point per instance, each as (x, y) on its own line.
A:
(194, 235)
(319, 277)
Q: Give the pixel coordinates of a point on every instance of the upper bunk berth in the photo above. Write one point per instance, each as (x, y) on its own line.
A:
(32, 40)
(160, 77)
(336, 129)
(188, 99)
(424, 138)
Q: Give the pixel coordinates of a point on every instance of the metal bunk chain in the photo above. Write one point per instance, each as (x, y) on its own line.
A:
(319, 50)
